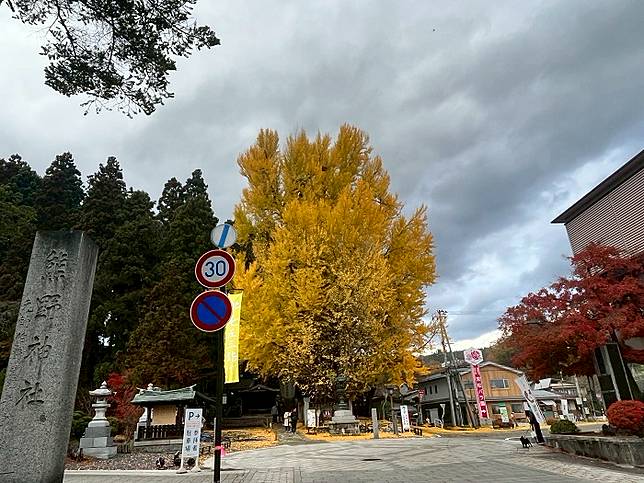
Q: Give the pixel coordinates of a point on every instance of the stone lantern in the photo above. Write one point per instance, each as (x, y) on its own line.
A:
(343, 420)
(97, 440)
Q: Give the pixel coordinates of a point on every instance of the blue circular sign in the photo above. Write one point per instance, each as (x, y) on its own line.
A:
(210, 311)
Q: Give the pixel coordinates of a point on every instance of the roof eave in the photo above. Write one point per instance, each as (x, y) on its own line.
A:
(634, 165)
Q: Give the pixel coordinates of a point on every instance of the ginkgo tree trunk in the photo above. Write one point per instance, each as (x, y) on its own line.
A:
(334, 274)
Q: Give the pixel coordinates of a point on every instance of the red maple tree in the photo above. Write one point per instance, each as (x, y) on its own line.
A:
(121, 407)
(556, 329)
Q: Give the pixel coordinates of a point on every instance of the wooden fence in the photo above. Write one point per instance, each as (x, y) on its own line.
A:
(162, 431)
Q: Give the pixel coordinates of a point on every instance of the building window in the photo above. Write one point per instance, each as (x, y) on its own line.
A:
(468, 384)
(496, 409)
(436, 389)
(517, 408)
(430, 389)
(499, 383)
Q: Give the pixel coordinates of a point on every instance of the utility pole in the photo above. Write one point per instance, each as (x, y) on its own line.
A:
(442, 318)
(449, 375)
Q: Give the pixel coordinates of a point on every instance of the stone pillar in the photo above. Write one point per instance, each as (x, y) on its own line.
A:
(374, 423)
(305, 414)
(40, 386)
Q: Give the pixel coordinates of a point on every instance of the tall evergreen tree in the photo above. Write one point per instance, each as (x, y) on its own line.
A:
(18, 176)
(17, 228)
(103, 213)
(130, 268)
(103, 209)
(165, 348)
(172, 197)
(19, 185)
(18, 188)
(59, 200)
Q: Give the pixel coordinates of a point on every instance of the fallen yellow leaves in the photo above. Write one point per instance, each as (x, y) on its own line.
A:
(332, 437)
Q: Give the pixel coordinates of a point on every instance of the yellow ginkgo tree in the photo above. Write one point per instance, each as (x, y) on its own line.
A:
(334, 274)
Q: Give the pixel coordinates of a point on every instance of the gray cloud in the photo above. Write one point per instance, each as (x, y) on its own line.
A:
(496, 115)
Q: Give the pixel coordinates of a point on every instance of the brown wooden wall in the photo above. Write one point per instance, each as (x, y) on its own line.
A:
(491, 372)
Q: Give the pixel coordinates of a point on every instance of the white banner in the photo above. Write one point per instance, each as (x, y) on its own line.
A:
(404, 416)
(191, 433)
(311, 418)
(564, 407)
(522, 382)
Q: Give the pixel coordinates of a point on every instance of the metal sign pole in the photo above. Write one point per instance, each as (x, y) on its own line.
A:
(211, 310)
(219, 395)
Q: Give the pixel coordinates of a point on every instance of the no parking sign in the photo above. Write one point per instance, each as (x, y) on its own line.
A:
(211, 311)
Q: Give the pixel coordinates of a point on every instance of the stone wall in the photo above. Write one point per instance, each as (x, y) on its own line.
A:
(622, 450)
(158, 445)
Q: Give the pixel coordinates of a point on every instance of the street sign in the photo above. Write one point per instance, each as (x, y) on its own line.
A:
(215, 268)
(223, 236)
(528, 395)
(404, 417)
(473, 356)
(505, 417)
(191, 433)
(210, 311)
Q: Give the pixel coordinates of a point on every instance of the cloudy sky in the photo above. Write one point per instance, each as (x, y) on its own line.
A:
(497, 115)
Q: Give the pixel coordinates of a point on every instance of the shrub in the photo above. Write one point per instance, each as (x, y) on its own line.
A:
(627, 416)
(551, 420)
(563, 426)
(115, 425)
(80, 420)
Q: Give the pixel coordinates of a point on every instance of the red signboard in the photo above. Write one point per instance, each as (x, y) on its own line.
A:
(480, 395)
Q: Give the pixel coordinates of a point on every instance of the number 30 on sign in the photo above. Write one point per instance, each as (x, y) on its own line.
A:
(215, 268)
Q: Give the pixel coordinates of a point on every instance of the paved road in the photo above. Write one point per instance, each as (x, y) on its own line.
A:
(403, 460)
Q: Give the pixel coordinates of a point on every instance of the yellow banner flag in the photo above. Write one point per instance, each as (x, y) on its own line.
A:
(231, 339)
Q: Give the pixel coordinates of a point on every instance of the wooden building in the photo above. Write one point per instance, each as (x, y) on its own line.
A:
(612, 213)
(503, 396)
(162, 422)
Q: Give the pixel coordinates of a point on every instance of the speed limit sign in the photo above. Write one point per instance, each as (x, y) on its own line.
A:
(215, 268)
